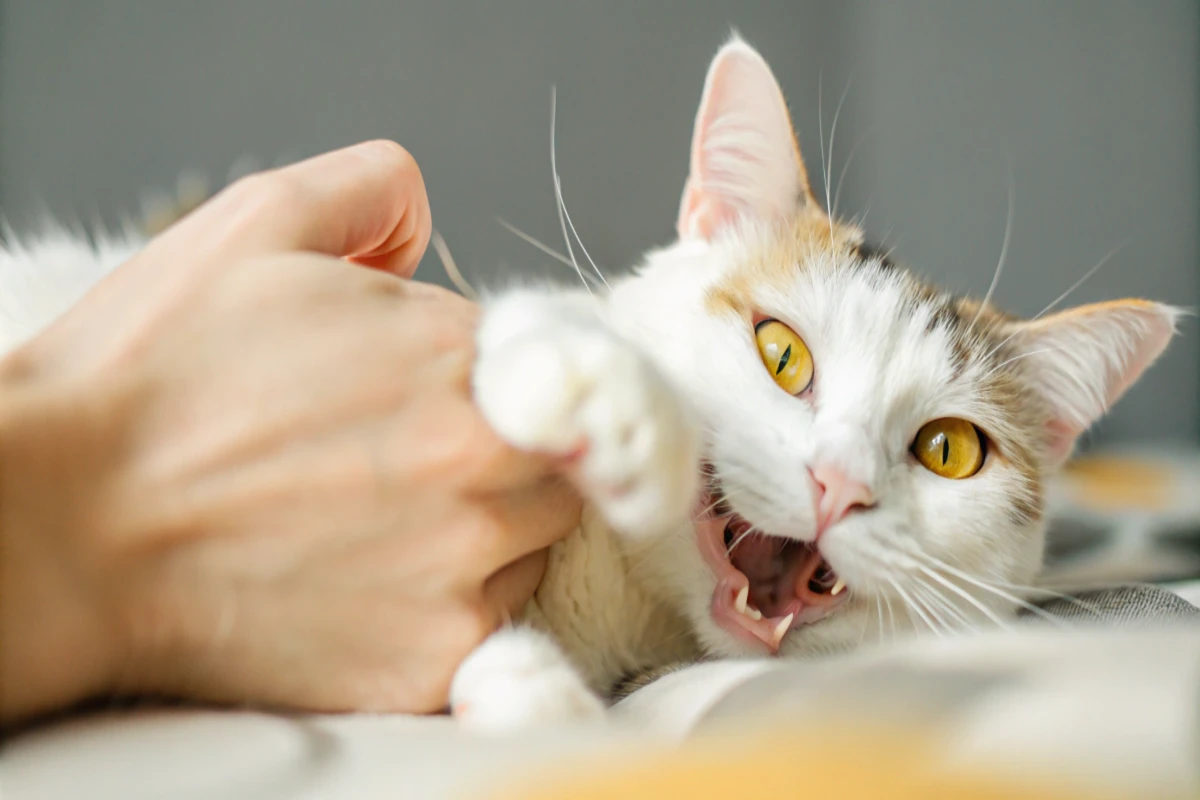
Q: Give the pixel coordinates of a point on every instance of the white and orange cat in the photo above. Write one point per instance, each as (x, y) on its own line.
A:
(788, 445)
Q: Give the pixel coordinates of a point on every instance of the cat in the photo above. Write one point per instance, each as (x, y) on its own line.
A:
(788, 444)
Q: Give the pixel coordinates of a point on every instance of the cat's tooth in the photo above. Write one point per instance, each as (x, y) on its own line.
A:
(753, 613)
(740, 602)
(782, 628)
(837, 588)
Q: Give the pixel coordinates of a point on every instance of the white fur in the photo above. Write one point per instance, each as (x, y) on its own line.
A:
(40, 278)
(520, 679)
(552, 377)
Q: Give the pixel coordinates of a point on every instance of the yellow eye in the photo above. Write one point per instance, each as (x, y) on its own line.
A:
(785, 355)
(952, 448)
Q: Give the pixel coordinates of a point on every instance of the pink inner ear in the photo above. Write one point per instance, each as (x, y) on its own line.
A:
(1091, 356)
(1153, 342)
(744, 158)
(699, 216)
(1060, 440)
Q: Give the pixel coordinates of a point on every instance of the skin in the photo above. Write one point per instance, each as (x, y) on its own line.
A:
(246, 467)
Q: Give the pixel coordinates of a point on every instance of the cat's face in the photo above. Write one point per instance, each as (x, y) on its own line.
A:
(875, 448)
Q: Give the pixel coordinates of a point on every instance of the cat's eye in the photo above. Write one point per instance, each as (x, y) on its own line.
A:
(950, 447)
(785, 355)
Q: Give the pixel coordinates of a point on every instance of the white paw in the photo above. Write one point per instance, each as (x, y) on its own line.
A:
(571, 387)
(519, 679)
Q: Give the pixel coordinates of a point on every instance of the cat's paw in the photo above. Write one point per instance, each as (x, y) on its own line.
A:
(573, 389)
(519, 679)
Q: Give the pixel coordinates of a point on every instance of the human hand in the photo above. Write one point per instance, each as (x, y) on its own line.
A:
(243, 470)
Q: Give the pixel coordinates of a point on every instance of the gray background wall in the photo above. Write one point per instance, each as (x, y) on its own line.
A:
(1089, 107)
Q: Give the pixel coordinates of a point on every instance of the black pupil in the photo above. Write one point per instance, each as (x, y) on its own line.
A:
(783, 360)
(945, 449)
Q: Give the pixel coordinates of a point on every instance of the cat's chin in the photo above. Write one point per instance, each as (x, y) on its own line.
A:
(765, 585)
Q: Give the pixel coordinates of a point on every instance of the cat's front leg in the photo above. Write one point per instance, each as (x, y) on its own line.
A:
(518, 678)
(552, 377)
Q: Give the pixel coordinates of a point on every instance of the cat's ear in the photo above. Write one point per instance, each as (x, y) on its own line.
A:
(745, 160)
(1083, 360)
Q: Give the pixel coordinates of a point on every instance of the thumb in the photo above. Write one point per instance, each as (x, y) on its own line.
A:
(507, 591)
(366, 203)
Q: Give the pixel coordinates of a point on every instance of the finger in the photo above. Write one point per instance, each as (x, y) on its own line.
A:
(366, 203)
(525, 521)
(451, 442)
(507, 591)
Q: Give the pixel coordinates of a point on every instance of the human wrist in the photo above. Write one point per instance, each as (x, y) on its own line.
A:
(58, 646)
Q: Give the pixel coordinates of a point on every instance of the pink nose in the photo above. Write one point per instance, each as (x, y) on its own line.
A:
(837, 495)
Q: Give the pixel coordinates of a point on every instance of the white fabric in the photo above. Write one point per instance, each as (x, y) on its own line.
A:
(1121, 708)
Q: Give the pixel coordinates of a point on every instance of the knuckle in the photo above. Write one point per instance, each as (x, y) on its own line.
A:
(480, 538)
(489, 450)
(393, 156)
(265, 193)
(452, 328)
(469, 446)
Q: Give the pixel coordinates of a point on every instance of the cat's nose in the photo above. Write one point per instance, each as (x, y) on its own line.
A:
(837, 495)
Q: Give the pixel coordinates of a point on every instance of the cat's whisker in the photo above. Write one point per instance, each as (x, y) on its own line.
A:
(837, 191)
(542, 246)
(891, 251)
(821, 134)
(1008, 226)
(913, 607)
(1054, 303)
(829, 161)
(1004, 364)
(821, 129)
(452, 272)
(728, 495)
(1071, 289)
(920, 600)
(1091, 608)
(969, 620)
(860, 221)
(562, 222)
(862, 635)
(729, 550)
(989, 588)
(933, 603)
(565, 215)
(937, 604)
(575, 233)
(987, 612)
(705, 512)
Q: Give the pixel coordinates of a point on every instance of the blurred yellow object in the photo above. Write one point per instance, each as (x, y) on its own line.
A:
(1109, 483)
(872, 765)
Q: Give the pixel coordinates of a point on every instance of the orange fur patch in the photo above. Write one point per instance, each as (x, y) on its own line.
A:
(808, 235)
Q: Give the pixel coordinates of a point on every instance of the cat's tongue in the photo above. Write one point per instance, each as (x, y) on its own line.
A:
(766, 585)
(770, 564)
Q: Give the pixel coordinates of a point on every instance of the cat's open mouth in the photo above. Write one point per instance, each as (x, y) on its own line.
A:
(766, 585)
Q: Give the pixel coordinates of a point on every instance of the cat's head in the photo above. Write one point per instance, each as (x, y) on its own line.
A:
(876, 448)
